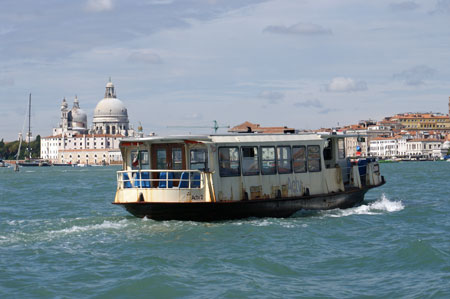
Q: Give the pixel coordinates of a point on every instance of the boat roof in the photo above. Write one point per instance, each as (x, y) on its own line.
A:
(232, 138)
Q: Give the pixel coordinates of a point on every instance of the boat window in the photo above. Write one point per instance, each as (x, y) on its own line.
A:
(268, 162)
(177, 159)
(161, 158)
(341, 149)
(140, 161)
(229, 161)
(299, 158)
(328, 150)
(199, 159)
(250, 162)
(284, 159)
(314, 158)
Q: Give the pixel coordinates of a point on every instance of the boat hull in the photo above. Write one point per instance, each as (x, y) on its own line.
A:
(33, 164)
(212, 211)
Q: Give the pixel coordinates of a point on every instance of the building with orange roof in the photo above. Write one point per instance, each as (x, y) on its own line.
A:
(423, 121)
(248, 127)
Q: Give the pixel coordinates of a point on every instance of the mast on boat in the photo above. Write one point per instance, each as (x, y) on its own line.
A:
(16, 166)
(29, 127)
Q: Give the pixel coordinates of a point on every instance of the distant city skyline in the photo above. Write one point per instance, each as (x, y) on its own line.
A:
(303, 64)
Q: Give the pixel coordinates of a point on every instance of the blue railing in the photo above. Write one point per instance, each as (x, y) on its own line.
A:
(163, 179)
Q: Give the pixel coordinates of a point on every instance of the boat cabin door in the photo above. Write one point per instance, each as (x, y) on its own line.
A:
(169, 156)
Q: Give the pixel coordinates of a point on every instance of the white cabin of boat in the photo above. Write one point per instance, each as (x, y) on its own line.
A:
(235, 167)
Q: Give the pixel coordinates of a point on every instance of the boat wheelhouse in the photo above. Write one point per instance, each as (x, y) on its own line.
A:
(235, 176)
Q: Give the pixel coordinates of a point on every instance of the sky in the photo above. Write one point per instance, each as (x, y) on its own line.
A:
(179, 64)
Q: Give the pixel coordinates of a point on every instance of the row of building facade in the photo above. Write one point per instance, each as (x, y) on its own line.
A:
(407, 135)
(403, 136)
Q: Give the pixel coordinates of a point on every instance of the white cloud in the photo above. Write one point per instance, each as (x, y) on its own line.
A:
(272, 96)
(160, 2)
(299, 29)
(416, 75)
(404, 6)
(144, 56)
(309, 103)
(327, 110)
(341, 84)
(442, 6)
(193, 116)
(99, 5)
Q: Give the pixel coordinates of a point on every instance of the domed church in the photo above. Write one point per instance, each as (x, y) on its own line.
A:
(110, 114)
(73, 143)
(74, 119)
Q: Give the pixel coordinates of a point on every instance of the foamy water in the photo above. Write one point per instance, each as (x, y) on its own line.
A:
(380, 206)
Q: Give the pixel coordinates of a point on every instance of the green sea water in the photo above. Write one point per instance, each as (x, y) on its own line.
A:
(60, 236)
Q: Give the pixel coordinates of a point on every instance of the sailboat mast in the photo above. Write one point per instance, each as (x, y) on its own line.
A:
(29, 125)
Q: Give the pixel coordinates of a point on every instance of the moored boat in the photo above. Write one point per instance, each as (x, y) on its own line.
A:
(34, 163)
(2, 163)
(233, 176)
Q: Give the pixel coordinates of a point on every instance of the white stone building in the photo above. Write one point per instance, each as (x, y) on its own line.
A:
(72, 141)
(384, 147)
(401, 147)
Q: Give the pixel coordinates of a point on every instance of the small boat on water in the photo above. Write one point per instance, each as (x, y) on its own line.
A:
(81, 165)
(2, 163)
(388, 161)
(217, 177)
(29, 162)
(34, 163)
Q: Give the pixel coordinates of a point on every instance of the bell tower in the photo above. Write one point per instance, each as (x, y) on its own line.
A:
(64, 116)
(109, 92)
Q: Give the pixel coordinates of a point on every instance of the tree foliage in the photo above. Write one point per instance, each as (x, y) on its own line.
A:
(8, 151)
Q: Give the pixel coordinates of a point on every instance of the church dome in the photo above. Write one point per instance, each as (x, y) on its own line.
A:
(446, 145)
(79, 116)
(110, 107)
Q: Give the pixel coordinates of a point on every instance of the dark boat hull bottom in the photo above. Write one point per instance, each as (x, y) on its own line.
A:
(211, 211)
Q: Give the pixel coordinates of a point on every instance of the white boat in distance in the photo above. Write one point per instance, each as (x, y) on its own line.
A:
(81, 165)
(218, 177)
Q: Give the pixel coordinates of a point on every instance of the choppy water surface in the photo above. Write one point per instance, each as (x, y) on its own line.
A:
(60, 236)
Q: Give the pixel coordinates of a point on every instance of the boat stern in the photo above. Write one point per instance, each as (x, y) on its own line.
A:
(163, 186)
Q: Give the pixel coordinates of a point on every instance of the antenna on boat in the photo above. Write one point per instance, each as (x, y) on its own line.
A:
(215, 126)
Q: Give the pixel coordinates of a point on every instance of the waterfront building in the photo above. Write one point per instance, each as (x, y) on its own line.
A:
(365, 130)
(248, 127)
(73, 142)
(402, 147)
(384, 147)
(423, 121)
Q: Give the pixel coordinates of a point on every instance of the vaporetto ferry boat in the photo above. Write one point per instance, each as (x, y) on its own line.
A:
(217, 177)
